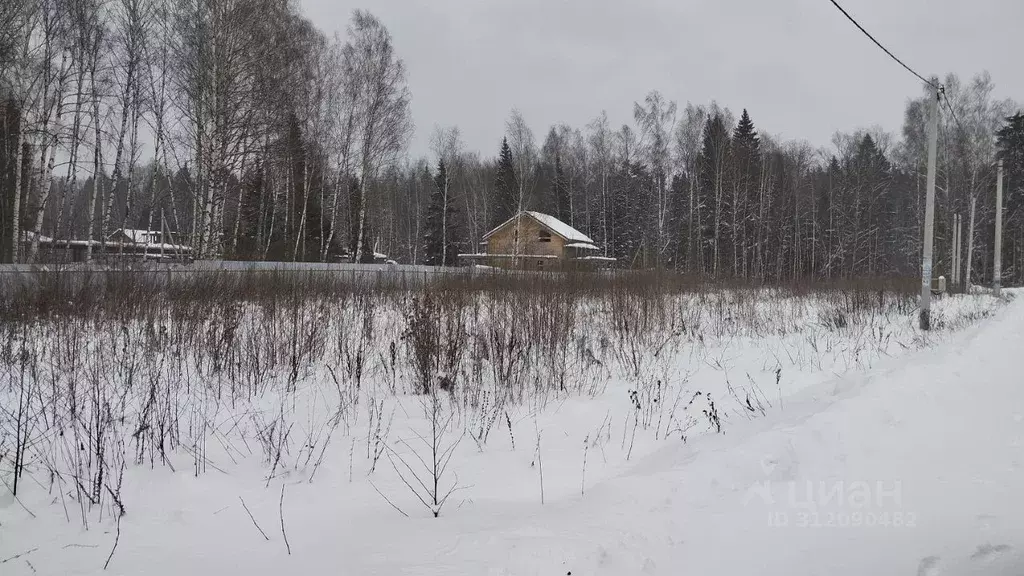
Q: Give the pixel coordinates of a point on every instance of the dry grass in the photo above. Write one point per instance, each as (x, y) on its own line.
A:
(104, 370)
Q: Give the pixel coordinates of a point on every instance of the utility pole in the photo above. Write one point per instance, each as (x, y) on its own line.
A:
(997, 271)
(163, 234)
(970, 242)
(952, 254)
(956, 250)
(929, 215)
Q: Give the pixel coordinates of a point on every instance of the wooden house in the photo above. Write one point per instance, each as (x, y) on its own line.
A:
(536, 241)
(123, 244)
(129, 236)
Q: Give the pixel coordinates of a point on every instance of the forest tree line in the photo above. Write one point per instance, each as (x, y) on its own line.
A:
(247, 133)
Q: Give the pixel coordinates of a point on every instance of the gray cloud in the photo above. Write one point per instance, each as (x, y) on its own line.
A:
(801, 69)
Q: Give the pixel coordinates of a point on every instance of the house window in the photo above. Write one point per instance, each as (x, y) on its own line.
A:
(544, 236)
(540, 264)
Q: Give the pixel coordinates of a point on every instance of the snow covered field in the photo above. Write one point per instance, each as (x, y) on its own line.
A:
(730, 432)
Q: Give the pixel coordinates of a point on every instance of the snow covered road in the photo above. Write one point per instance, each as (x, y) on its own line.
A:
(916, 468)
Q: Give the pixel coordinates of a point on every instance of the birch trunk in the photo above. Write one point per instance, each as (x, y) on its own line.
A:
(108, 206)
(16, 203)
(44, 195)
(238, 212)
(361, 222)
(300, 235)
(444, 220)
(97, 158)
(970, 243)
(44, 180)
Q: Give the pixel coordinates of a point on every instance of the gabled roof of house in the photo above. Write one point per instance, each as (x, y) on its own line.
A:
(138, 236)
(552, 224)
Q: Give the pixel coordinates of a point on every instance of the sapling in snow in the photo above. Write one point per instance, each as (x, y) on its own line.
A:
(424, 467)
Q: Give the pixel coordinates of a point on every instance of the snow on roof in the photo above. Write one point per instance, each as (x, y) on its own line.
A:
(139, 236)
(597, 258)
(553, 224)
(159, 246)
(582, 246)
(522, 256)
(561, 228)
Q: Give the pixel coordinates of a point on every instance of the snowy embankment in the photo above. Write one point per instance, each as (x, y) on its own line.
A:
(721, 433)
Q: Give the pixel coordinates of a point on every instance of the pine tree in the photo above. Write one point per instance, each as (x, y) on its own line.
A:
(441, 232)
(506, 186)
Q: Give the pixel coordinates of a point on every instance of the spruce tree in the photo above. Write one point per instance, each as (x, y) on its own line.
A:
(627, 212)
(745, 206)
(506, 187)
(441, 232)
(1011, 152)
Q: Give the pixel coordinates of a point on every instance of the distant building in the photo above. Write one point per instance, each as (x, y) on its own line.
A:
(130, 236)
(536, 241)
(147, 244)
(123, 244)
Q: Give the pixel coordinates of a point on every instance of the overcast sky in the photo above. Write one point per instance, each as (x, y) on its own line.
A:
(800, 68)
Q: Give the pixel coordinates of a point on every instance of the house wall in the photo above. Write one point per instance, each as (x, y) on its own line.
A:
(504, 242)
(50, 254)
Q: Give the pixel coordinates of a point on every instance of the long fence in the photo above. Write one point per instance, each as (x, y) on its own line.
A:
(102, 277)
(75, 277)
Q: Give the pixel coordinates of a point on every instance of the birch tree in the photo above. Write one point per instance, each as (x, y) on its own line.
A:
(215, 55)
(655, 120)
(382, 119)
(524, 161)
(447, 146)
(24, 84)
(53, 67)
(688, 154)
(131, 26)
(600, 143)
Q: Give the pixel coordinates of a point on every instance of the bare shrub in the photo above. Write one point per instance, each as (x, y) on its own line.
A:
(436, 336)
(163, 368)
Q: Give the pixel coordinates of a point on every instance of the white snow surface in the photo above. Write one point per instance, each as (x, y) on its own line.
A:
(912, 466)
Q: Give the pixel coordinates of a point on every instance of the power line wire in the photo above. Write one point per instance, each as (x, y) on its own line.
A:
(884, 49)
(951, 111)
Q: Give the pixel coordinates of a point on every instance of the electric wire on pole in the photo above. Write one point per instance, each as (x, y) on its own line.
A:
(884, 49)
(933, 137)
